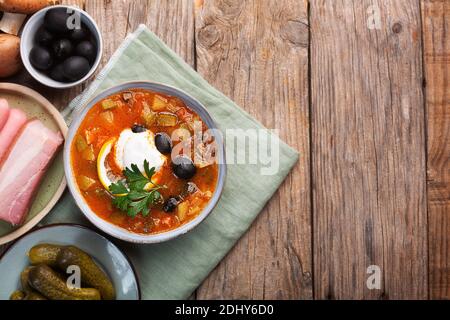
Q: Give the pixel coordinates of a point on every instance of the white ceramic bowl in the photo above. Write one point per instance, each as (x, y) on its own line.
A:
(113, 229)
(27, 43)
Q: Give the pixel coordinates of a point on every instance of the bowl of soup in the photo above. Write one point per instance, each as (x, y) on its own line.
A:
(145, 162)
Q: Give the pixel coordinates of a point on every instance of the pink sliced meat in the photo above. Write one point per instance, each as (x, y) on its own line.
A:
(4, 112)
(24, 167)
(15, 122)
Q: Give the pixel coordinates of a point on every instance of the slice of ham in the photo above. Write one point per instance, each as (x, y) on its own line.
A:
(23, 168)
(15, 122)
(4, 112)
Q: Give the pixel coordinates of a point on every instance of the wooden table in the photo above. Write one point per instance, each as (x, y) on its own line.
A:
(361, 89)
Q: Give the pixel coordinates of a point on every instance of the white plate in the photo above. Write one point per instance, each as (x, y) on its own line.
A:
(103, 251)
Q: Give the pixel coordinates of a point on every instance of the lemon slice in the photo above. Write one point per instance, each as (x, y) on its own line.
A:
(101, 169)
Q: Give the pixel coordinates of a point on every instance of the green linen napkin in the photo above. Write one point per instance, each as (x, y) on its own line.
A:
(173, 270)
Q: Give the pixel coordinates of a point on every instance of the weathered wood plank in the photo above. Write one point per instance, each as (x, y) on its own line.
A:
(368, 149)
(172, 21)
(256, 52)
(436, 26)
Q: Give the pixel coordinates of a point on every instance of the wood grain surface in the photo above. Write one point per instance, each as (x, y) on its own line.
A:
(256, 52)
(436, 39)
(368, 156)
(366, 106)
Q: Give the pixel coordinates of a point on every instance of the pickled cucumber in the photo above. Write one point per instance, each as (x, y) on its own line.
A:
(91, 274)
(17, 295)
(51, 285)
(44, 253)
(24, 277)
(33, 295)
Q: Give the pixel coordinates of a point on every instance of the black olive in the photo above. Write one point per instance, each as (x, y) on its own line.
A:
(183, 167)
(62, 48)
(76, 68)
(86, 49)
(79, 34)
(41, 58)
(170, 204)
(163, 143)
(56, 20)
(57, 73)
(43, 37)
(138, 128)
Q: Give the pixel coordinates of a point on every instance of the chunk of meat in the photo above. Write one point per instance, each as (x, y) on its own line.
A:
(23, 168)
(4, 112)
(15, 122)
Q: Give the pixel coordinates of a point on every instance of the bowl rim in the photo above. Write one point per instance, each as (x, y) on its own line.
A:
(113, 229)
(44, 79)
(12, 244)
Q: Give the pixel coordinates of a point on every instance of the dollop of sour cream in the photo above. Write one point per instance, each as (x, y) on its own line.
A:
(134, 148)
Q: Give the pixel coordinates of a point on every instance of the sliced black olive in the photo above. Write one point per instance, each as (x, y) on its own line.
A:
(170, 204)
(62, 48)
(43, 37)
(86, 49)
(183, 167)
(57, 73)
(138, 128)
(41, 58)
(76, 68)
(56, 20)
(79, 34)
(163, 143)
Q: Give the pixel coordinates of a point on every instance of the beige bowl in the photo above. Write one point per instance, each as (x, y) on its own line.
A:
(53, 183)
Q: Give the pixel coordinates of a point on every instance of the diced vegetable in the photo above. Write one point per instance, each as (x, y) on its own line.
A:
(185, 126)
(195, 205)
(172, 108)
(91, 135)
(109, 104)
(165, 119)
(182, 210)
(127, 96)
(107, 116)
(148, 115)
(194, 211)
(159, 103)
(100, 192)
(80, 143)
(181, 134)
(85, 182)
(88, 154)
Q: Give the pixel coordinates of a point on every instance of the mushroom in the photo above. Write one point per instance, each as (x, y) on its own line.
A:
(11, 22)
(10, 61)
(25, 6)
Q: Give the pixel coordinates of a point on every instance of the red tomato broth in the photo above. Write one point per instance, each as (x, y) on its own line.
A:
(98, 131)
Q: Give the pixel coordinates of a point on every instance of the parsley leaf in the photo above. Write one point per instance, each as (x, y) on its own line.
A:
(118, 188)
(133, 197)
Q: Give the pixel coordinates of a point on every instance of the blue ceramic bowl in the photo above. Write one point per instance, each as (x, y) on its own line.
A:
(115, 230)
(104, 252)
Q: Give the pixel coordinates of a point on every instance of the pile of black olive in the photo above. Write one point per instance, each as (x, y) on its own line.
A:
(182, 166)
(64, 54)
